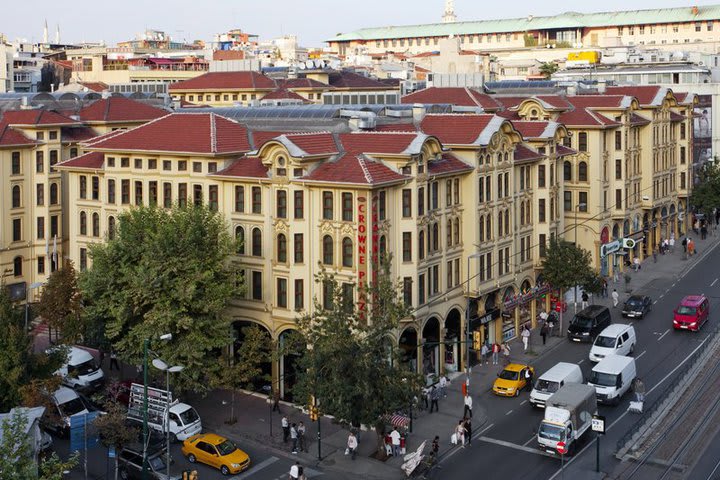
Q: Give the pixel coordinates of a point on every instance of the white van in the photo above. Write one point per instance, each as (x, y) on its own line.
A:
(612, 377)
(551, 381)
(80, 371)
(68, 403)
(617, 339)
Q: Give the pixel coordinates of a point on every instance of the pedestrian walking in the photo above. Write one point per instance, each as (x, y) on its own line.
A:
(301, 473)
(113, 360)
(703, 232)
(443, 385)
(276, 401)
(467, 425)
(636, 263)
(434, 397)
(294, 437)
(615, 297)
(302, 444)
(585, 299)
(684, 244)
(671, 243)
(435, 448)
(484, 354)
(525, 338)
(395, 441)
(639, 389)
(604, 291)
(691, 247)
(528, 379)
(506, 353)
(460, 433)
(495, 353)
(352, 445)
(426, 398)
(544, 331)
(295, 471)
(285, 428)
(467, 411)
(654, 256)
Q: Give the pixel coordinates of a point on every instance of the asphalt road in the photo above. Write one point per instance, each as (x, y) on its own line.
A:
(506, 446)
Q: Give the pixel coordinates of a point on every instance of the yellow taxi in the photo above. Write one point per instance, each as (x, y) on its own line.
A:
(216, 451)
(512, 379)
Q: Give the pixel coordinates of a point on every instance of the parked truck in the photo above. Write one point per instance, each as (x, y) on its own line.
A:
(568, 416)
(183, 420)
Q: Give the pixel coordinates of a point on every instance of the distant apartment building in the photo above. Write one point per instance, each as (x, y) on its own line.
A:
(6, 65)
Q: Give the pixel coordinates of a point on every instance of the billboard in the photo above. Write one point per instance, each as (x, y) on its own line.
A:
(702, 129)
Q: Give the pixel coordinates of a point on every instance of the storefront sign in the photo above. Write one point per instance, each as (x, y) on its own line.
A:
(486, 318)
(506, 315)
(526, 297)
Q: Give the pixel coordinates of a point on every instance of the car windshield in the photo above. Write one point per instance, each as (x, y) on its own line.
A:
(509, 375)
(157, 464)
(84, 368)
(605, 342)
(634, 302)
(546, 386)
(72, 407)
(551, 432)
(226, 448)
(683, 310)
(189, 416)
(602, 379)
(582, 322)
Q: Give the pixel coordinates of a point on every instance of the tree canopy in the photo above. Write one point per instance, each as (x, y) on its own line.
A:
(548, 68)
(165, 271)
(566, 265)
(706, 192)
(61, 303)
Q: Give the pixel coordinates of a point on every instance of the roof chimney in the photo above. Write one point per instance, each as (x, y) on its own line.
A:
(695, 10)
(418, 112)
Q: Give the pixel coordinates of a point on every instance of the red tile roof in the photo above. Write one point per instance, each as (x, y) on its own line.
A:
(531, 129)
(245, 167)
(557, 101)
(391, 143)
(77, 134)
(563, 151)
(220, 55)
(120, 109)
(597, 101)
(396, 127)
(645, 93)
(201, 133)
(510, 101)
(427, 54)
(321, 143)
(104, 136)
(95, 86)
(682, 97)
(302, 83)
(259, 137)
(36, 117)
(282, 94)
(636, 119)
(459, 96)
(90, 161)
(523, 153)
(585, 118)
(351, 80)
(354, 169)
(675, 117)
(448, 164)
(456, 129)
(11, 137)
(227, 81)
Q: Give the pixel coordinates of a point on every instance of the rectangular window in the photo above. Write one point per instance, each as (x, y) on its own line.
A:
(17, 230)
(682, 155)
(167, 194)
(282, 292)
(456, 191)
(41, 264)
(327, 205)
(433, 203)
(406, 203)
(347, 207)
(111, 191)
(40, 135)
(618, 140)
(257, 287)
(618, 198)
(95, 188)
(15, 163)
(421, 201)
(239, 198)
(167, 165)
(567, 201)
(182, 165)
(407, 247)
(138, 164)
(83, 259)
(618, 169)
(82, 188)
(541, 176)
(40, 194)
(138, 193)
(182, 194)
(435, 287)
(541, 210)
(448, 193)
(582, 201)
(381, 206)
(327, 293)
(682, 180)
(407, 291)
(197, 167)
(449, 275)
(40, 228)
(421, 289)
(488, 265)
(53, 159)
(197, 195)
(542, 244)
(256, 200)
(153, 192)
(152, 164)
(53, 225)
(299, 204)
(299, 294)
(213, 200)
(125, 192)
(281, 204)
(298, 247)
(39, 162)
(582, 141)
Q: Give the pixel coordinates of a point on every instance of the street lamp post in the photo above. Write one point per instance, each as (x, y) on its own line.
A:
(577, 207)
(467, 323)
(146, 349)
(162, 366)
(32, 286)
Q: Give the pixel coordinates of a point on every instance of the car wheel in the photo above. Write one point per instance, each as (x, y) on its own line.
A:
(225, 470)
(191, 458)
(632, 349)
(517, 392)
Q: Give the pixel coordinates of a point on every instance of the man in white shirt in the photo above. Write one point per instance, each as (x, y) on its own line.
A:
(395, 441)
(443, 386)
(468, 406)
(295, 471)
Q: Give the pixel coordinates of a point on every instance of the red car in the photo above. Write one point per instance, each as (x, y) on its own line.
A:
(692, 313)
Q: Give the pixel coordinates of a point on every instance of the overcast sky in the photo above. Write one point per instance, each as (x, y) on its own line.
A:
(313, 21)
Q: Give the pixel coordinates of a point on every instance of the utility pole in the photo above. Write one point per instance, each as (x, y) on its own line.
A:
(146, 347)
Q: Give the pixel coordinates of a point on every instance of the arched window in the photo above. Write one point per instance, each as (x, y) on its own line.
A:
(16, 196)
(500, 223)
(256, 242)
(421, 244)
(17, 266)
(96, 224)
(436, 237)
(111, 228)
(448, 234)
(567, 171)
(456, 232)
(499, 185)
(53, 194)
(527, 213)
(522, 213)
(582, 172)
(507, 222)
(488, 227)
(240, 240)
(327, 247)
(282, 248)
(482, 229)
(347, 252)
(83, 223)
(383, 246)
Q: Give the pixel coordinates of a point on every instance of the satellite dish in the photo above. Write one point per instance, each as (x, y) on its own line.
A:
(301, 66)
(309, 64)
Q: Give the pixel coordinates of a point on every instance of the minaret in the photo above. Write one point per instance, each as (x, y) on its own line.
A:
(57, 34)
(45, 33)
(449, 15)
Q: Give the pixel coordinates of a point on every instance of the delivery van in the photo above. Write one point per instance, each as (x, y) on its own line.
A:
(617, 339)
(612, 377)
(551, 381)
(80, 371)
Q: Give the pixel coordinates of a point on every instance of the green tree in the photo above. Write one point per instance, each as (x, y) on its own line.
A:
(17, 459)
(566, 265)
(61, 304)
(349, 365)
(548, 68)
(165, 271)
(706, 192)
(113, 429)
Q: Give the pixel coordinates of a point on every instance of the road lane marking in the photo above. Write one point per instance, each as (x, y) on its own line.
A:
(523, 402)
(531, 439)
(661, 295)
(455, 450)
(581, 361)
(508, 413)
(661, 336)
(477, 435)
(638, 357)
(654, 302)
(522, 448)
(622, 415)
(264, 464)
(714, 282)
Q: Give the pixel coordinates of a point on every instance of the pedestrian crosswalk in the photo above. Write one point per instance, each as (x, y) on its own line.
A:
(266, 464)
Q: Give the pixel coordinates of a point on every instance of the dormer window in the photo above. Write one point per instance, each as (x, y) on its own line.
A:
(534, 114)
(281, 171)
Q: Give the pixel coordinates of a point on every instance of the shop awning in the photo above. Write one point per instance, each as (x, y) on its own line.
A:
(397, 420)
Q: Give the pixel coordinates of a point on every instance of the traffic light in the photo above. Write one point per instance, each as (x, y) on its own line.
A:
(314, 414)
(477, 340)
